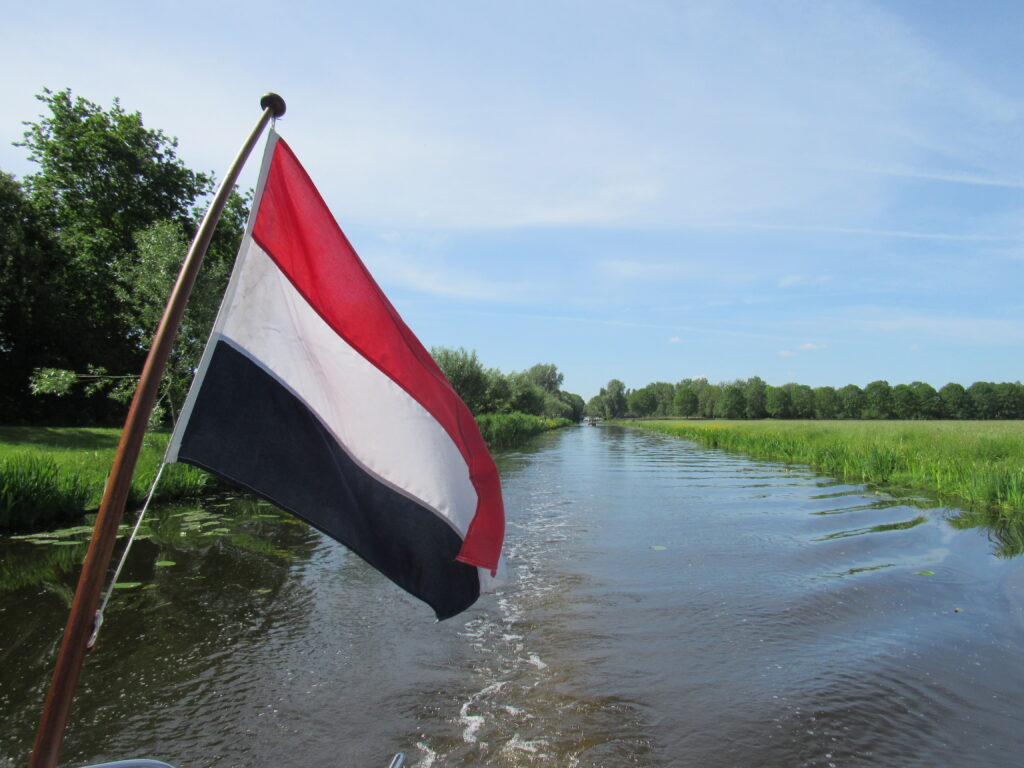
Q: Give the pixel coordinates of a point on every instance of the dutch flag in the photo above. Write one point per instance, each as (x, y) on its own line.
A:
(315, 395)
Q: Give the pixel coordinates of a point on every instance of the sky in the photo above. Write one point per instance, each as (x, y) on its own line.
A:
(811, 191)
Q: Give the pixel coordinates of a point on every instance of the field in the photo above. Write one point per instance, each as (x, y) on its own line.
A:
(977, 466)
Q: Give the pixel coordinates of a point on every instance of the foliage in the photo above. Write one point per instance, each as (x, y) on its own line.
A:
(508, 430)
(107, 217)
(34, 492)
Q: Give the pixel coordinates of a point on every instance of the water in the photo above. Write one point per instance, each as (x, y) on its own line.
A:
(667, 606)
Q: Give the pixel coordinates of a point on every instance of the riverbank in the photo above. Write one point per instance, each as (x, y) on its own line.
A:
(51, 476)
(977, 466)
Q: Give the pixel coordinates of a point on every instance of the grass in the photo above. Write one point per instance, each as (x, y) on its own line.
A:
(51, 475)
(508, 430)
(975, 465)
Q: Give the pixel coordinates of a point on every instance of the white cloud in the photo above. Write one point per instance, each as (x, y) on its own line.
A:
(813, 347)
(786, 353)
(674, 340)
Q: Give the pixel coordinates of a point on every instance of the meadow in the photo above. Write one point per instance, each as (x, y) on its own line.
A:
(976, 466)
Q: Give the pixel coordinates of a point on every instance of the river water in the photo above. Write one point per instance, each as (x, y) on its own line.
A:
(667, 605)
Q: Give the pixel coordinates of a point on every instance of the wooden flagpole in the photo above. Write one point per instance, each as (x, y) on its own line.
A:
(101, 546)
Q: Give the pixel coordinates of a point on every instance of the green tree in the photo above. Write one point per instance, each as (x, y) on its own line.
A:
(755, 392)
(684, 402)
(642, 402)
(466, 375)
(777, 403)
(731, 404)
(878, 400)
(614, 396)
(707, 400)
(103, 178)
(851, 398)
(827, 404)
(929, 404)
(801, 399)
(904, 402)
(575, 403)
(956, 404)
(984, 402)
(663, 394)
(546, 376)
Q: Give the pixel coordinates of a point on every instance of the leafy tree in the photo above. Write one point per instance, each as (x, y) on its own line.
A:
(614, 396)
(755, 392)
(642, 402)
(929, 404)
(575, 403)
(684, 402)
(731, 404)
(103, 178)
(466, 375)
(663, 394)
(777, 403)
(1010, 396)
(851, 398)
(525, 396)
(904, 402)
(984, 402)
(801, 399)
(707, 400)
(827, 404)
(878, 400)
(956, 403)
(546, 376)
(595, 406)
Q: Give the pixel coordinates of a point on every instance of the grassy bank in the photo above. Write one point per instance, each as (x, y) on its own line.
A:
(508, 430)
(51, 475)
(977, 466)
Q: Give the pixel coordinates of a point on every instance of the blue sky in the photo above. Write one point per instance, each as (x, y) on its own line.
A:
(821, 192)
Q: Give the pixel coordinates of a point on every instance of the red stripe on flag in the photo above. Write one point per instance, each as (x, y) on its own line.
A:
(296, 229)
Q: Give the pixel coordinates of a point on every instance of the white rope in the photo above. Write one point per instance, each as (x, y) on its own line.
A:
(98, 622)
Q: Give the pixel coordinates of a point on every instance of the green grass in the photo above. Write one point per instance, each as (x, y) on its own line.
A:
(50, 475)
(508, 430)
(975, 465)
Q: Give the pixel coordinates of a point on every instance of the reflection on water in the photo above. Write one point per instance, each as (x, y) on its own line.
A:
(666, 605)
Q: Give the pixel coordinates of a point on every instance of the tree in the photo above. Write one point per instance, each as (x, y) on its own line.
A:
(956, 404)
(465, 373)
(546, 376)
(614, 396)
(878, 400)
(801, 399)
(642, 402)
(851, 399)
(984, 402)
(707, 399)
(827, 404)
(663, 394)
(575, 403)
(684, 402)
(904, 402)
(755, 391)
(731, 403)
(103, 178)
(777, 403)
(929, 404)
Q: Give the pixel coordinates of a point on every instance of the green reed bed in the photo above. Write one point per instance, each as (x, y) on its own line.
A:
(53, 475)
(508, 430)
(976, 465)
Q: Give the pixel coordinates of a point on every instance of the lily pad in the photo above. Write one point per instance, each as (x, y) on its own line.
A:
(164, 563)
(263, 591)
(924, 573)
(127, 584)
(658, 547)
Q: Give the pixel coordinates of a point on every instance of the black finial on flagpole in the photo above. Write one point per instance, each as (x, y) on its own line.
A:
(274, 103)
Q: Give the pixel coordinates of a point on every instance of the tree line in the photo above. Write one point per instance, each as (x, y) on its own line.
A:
(90, 244)
(536, 391)
(754, 399)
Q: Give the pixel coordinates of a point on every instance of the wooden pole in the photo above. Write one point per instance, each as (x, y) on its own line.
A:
(101, 546)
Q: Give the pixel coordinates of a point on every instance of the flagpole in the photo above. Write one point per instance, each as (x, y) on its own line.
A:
(101, 546)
